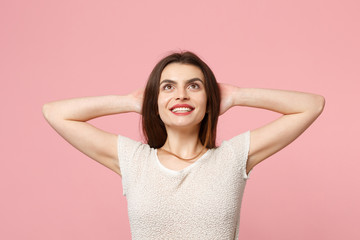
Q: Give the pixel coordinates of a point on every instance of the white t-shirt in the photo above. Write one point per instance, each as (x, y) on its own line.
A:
(201, 201)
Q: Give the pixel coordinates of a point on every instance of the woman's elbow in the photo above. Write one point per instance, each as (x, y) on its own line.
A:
(46, 111)
(319, 104)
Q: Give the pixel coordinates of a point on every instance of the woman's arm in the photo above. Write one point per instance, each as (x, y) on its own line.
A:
(299, 111)
(68, 118)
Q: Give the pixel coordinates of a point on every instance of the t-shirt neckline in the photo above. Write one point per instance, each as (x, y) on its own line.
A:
(176, 172)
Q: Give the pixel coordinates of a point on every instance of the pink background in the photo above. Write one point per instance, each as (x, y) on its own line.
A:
(52, 50)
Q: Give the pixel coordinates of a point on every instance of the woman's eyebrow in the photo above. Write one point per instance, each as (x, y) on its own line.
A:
(188, 81)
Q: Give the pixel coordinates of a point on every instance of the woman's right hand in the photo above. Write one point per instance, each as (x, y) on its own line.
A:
(138, 96)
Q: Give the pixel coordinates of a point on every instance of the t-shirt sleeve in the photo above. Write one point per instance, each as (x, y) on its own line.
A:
(127, 149)
(240, 145)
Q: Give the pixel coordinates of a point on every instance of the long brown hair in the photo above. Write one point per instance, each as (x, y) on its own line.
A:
(153, 127)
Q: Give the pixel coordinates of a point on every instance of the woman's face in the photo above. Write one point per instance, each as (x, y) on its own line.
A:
(182, 97)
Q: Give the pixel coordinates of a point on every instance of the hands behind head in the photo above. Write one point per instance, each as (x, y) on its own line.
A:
(138, 97)
(227, 101)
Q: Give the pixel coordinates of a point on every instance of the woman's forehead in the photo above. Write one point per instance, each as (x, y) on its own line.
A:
(181, 72)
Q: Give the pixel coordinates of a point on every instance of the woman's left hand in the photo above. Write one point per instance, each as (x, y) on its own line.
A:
(227, 100)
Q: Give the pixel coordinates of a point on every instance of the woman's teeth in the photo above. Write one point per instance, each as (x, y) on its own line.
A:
(181, 109)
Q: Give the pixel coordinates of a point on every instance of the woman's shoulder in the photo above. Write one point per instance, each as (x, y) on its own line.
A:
(130, 144)
(237, 141)
(237, 146)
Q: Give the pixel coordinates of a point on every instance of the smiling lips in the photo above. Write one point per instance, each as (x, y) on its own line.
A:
(181, 109)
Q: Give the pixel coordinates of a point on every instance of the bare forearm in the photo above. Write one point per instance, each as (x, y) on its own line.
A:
(86, 108)
(282, 101)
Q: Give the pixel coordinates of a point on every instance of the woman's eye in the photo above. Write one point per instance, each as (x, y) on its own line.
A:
(194, 86)
(167, 87)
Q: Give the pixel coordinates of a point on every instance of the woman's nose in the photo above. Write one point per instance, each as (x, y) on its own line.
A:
(182, 95)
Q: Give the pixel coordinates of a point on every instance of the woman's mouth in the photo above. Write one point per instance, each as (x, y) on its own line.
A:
(182, 109)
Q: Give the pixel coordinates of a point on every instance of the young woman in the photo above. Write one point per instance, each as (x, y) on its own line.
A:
(179, 184)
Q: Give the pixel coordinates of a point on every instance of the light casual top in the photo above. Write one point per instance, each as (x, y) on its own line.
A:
(201, 201)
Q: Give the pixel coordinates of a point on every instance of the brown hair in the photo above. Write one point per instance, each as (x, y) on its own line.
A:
(153, 127)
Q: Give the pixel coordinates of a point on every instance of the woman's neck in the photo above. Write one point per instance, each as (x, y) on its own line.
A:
(183, 142)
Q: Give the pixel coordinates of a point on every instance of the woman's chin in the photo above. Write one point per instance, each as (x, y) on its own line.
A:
(182, 126)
